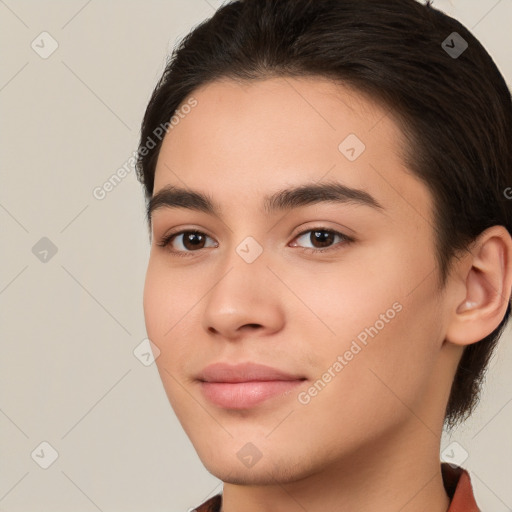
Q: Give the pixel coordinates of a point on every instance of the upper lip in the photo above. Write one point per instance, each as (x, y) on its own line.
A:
(245, 372)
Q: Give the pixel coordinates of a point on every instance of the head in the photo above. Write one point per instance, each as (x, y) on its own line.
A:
(271, 96)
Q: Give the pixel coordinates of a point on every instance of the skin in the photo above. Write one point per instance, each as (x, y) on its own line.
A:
(370, 439)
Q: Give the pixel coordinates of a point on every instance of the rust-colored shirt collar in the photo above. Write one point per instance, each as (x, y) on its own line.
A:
(458, 487)
(456, 482)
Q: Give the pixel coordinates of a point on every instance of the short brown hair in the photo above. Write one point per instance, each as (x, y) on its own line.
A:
(455, 111)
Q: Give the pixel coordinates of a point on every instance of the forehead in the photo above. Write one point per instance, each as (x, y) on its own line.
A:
(246, 139)
(278, 117)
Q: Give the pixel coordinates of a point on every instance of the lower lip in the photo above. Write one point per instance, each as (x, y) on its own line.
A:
(244, 395)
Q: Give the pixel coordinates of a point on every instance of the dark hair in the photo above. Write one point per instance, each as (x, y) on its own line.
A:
(454, 111)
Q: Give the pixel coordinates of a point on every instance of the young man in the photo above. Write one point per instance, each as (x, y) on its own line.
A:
(331, 259)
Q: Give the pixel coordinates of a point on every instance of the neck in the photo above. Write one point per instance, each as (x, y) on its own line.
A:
(399, 473)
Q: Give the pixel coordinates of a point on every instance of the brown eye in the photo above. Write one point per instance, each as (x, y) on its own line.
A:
(184, 242)
(322, 239)
(193, 240)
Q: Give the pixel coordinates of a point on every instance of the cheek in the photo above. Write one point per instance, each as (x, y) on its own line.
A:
(161, 314)
(167, 300)
(340, 300)
(376, 384)
(381, 315)
(394, 368)
(154, 303)
(170, 303)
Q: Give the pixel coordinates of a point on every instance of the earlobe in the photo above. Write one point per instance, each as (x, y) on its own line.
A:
(487, 287)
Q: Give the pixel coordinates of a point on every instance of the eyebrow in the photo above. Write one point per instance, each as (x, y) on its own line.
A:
(290, 198)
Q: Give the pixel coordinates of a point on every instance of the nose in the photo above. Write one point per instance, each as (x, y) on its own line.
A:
(244, 300)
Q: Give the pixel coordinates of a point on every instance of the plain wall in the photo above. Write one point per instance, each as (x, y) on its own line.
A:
(70, 324)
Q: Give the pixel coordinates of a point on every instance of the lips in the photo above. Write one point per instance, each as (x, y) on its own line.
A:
(245, 372)
(244, 386)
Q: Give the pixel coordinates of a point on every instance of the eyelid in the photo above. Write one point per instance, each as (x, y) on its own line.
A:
(346, 239)
(167, 238)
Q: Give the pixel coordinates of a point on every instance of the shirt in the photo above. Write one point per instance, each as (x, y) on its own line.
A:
(457, 484)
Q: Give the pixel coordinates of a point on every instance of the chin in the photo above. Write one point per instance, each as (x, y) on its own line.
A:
(226, 465)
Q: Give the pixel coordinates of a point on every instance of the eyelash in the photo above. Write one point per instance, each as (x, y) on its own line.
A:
(345, 240)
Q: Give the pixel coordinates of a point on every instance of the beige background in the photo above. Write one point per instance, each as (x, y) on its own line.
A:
(70, 325)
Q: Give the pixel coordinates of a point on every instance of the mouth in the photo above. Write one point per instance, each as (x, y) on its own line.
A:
(244, 395)
(244, 386)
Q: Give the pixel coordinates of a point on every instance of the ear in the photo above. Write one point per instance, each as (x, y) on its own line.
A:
(483, 279)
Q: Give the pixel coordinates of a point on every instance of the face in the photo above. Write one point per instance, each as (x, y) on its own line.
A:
(340, 294)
